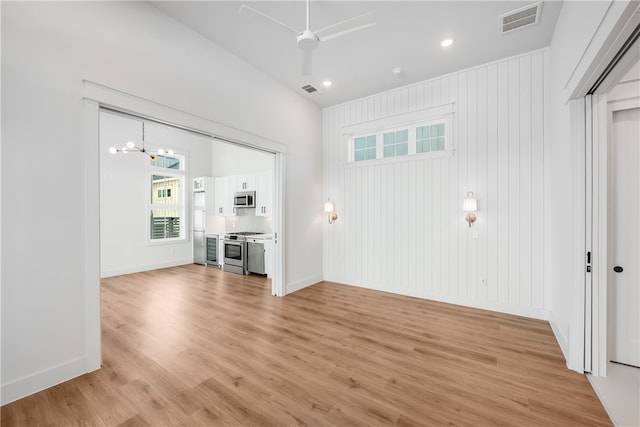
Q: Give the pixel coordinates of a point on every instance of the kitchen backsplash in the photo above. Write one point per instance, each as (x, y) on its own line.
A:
(247, 222)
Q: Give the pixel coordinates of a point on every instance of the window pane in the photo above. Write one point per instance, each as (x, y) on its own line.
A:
(440, 143)
(157, 187)
(371, 153)
(402, 136)
(371, 141)
(389, 151)
(359, 155)
(389, 138)
(157, 224)
(359, 143)
(165, 224)
(165, 161)
(402, 149)
(422, 146)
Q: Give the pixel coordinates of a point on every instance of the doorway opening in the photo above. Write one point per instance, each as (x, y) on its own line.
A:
(98, 97)
(172, 204)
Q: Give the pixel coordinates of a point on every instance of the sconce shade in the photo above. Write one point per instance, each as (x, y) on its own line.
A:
(470, 203)
(328, 209)
(328, 206)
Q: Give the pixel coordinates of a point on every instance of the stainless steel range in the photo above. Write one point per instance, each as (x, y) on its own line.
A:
(235, 252)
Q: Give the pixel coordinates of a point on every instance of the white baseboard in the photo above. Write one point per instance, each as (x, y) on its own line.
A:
(301, 284)
(30, 384)
(532, 312)
(140, 268)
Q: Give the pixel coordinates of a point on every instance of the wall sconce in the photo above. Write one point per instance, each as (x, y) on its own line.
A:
(328, 209)
(470, 206)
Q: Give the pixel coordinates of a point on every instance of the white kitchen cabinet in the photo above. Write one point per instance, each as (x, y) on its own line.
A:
(223, 196)
(264, 193)
(244, 182)
(261, 183)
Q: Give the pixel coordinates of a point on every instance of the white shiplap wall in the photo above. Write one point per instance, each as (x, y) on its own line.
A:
(401, 227)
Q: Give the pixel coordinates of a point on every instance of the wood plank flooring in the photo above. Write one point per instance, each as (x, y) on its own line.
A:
(195, 346)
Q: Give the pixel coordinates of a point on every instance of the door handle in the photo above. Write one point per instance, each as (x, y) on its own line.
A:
(618, 269)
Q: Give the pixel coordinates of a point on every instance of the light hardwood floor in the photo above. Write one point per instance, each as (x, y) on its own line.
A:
(196, 346)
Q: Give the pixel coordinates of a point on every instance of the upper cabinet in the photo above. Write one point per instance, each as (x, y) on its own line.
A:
(264, 193)
(223, 196)
(261, 183)
(244, 182)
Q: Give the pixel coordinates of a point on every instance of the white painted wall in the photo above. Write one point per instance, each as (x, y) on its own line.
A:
(229, 159)
(48, 48)
(124, 188)
(401, 227)
(583, 31)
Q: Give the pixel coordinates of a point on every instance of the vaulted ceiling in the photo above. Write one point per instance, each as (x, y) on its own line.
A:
(407, 35)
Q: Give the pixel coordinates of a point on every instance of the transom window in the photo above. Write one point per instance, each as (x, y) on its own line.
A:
(419, 138)
(396, 143)
(364, 148)
(167, 162)
(430, 138)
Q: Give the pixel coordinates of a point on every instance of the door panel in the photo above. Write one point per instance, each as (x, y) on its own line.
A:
(624, 236)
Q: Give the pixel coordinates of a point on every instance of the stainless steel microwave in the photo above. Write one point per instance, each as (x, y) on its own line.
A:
(244, 199)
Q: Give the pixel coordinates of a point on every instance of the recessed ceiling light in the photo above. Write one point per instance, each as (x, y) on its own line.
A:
(326, 83)
(446, 42)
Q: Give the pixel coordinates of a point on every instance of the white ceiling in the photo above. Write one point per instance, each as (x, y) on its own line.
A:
(407, 35)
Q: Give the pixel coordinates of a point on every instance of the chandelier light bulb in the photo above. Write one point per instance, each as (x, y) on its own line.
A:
(170, 152)
(113, 150)
(130, 144)
(161, 151)
(446, 43)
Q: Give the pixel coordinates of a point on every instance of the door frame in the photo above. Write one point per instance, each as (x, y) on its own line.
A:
(592, 75)
(97, 96)
(602, 118)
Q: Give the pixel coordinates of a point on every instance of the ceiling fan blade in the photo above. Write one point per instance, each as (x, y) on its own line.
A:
(306, 62)
(345, 27)
(248, 11)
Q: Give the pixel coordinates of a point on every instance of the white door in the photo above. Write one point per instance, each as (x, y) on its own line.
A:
(624, 237)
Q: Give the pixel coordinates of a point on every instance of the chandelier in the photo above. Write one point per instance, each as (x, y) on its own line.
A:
(131, 147)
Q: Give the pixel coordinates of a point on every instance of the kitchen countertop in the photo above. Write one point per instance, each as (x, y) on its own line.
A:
(261, 236)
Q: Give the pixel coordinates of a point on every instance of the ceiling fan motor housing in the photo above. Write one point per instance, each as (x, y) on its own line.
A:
(307, 41)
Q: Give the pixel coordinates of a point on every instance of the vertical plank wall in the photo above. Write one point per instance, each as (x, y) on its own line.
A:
(401, 227)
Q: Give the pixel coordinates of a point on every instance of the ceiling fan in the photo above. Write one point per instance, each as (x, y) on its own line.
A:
(308, 40)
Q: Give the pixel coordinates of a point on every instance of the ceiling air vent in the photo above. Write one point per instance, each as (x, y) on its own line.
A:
(520, 18)
(309, 88)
